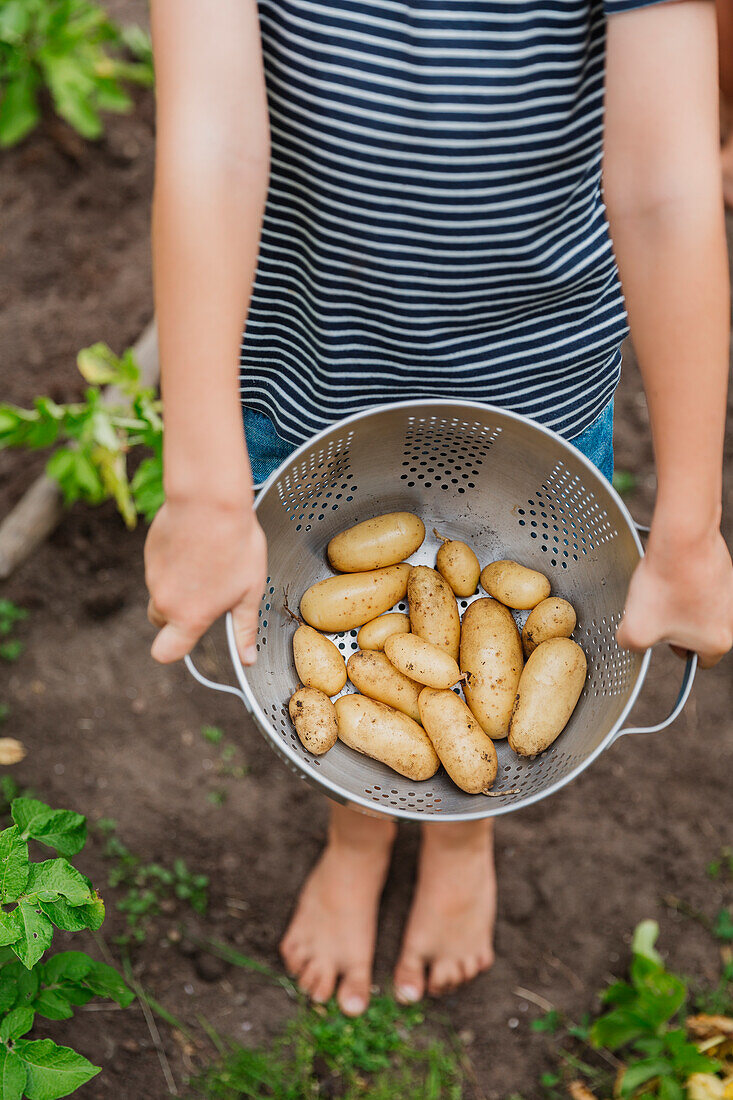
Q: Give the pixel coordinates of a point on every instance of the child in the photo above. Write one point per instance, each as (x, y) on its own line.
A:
(434, 227)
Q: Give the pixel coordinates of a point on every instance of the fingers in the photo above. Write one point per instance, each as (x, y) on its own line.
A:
(173, 642)
(156, 617)
(246, 624)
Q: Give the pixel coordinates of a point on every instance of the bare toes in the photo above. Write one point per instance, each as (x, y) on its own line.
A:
(295, 956)
(323, 986)
(310, 977)
(354, 991)
(445, 976)
(409, 978)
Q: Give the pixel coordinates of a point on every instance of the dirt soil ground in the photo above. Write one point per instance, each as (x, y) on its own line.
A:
(111, 734)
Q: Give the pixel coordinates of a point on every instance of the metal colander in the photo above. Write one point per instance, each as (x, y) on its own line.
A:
(510, 489)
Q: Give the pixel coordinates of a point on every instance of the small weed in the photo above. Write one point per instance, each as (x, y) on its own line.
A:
(212, 734)
(147, 886)
(624, 481)
(381, 1055)
(722, 865)
(225, 767)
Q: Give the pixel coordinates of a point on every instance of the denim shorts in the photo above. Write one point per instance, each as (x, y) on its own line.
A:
(267, 450)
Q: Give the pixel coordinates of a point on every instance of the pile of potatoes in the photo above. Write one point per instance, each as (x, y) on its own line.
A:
(405, 713)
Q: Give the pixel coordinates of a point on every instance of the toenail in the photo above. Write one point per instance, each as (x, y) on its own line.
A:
(354, 1005)
(409, 993)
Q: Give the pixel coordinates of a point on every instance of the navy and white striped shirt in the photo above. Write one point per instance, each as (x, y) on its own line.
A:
(434, 224)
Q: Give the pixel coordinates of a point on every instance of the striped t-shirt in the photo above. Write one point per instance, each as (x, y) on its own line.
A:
(434, 225)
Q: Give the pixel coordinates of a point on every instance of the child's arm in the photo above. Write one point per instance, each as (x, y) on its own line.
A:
(662, 186)
(205, 552)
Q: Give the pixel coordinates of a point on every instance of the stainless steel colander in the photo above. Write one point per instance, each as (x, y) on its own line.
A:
(509, 488)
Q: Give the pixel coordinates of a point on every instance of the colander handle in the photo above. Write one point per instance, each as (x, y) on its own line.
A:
(212, 683)
(685, 689)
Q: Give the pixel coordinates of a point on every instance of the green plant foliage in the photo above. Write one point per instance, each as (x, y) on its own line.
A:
(35, 897)
(93, 439)
(73, 51)
(381, 1055)
(145, 886)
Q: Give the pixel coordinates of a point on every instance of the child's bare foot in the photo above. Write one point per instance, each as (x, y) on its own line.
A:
(332, 932)
(451, 925)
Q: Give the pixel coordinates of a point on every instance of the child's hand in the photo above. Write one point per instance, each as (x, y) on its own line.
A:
(681, 593)
(203, 559)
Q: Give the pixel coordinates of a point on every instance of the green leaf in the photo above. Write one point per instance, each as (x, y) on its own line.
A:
(723, 927)
(8, 990)
(19, 111)
(72, 90)
(36, 933)
(645, 936)
(9, 929)
(12, 1075)
(99, 365)
(14, 20)
(147, 487)
(63, 830)
(53, 1071)
(16, 1023)
(56, 878)
(14, 865)
(67, 966)
(74, 918)
(52, 1004)
(26, 983)
(641, 1072)
(106, 982)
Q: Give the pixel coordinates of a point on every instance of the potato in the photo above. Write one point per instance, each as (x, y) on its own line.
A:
(376, 543)
(374, 634)
(549, 688)
(491, 655)
(318, 662)
(385, 734)
(464, 750)
(458, 565)
(374, 675)
(433, 609)
(515, 585)
(352, 599)
(314, 718)
(552, 618)
(422, 661)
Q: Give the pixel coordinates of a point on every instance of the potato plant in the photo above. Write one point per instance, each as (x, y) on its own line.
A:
(92, 439)
(35, 897)
(71, 52)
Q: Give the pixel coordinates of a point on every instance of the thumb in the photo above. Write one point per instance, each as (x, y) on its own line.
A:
(636, 630)
(246, 624)
(172, 643)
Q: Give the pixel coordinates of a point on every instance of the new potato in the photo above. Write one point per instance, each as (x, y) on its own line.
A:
(352, 599)
(374, 634)
(385, 734)
(515, 585)
(458, 565)
(314, 718)
(465, 751)
(552, 618)
(549, 689)
(375, 543)
(422, 661)
(318, 662)
(374, 675)
(491, 656)
(433, 609)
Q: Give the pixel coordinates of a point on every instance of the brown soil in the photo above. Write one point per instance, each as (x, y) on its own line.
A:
(111, 734)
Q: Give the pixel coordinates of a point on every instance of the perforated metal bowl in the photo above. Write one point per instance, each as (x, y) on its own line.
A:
(509, 488)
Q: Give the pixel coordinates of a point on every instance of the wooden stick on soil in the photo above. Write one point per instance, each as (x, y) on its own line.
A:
(39, 511)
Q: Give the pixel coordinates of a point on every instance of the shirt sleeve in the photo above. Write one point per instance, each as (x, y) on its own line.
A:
(613, 7)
